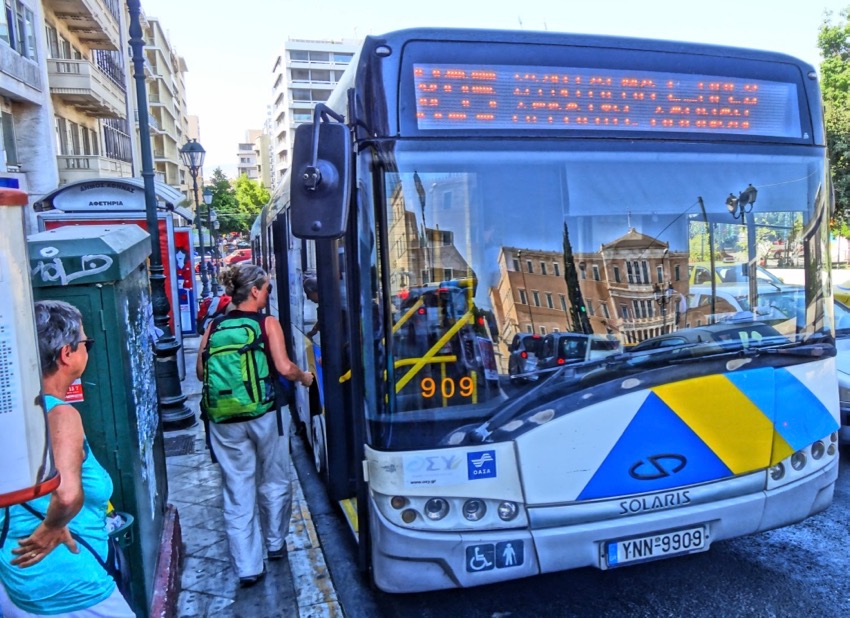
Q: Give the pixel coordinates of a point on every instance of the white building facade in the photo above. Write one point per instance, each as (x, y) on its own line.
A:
(304, 74)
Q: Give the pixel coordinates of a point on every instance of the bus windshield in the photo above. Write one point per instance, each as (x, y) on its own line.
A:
(513, 272)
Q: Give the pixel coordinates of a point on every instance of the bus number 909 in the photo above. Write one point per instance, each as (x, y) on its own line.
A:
(448, 387)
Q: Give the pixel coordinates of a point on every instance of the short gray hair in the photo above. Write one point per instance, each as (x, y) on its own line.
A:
(58, 324)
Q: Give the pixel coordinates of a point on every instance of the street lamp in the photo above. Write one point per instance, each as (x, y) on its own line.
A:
(172, 402)
(193, 157)
(208, 198)
(663, 299)
(739, 207)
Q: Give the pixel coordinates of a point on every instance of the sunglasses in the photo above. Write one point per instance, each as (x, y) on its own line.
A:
(89, 343)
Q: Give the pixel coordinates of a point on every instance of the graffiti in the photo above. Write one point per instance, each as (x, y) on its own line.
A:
(53, 271)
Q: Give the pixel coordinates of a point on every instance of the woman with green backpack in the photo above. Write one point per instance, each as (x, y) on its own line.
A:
(243, 355)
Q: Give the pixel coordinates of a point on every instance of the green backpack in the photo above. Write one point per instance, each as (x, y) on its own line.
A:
(237, 377)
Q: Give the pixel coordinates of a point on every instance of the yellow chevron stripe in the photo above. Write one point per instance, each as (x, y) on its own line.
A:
(729, 423)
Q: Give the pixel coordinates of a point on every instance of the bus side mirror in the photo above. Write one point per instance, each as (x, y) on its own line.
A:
(320, 187)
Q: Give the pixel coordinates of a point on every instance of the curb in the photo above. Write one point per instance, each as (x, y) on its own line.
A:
(166, 583)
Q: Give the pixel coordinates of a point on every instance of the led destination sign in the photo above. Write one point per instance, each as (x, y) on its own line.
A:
(470, 97)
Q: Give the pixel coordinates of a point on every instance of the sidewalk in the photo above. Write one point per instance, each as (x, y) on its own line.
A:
(297, 587)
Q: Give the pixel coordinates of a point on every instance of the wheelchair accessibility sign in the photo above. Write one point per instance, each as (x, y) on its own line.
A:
(489, 556)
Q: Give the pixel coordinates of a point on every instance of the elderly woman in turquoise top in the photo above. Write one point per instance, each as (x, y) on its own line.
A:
(43, 571)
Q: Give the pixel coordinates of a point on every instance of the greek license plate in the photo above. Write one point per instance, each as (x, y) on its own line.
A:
(659, 545)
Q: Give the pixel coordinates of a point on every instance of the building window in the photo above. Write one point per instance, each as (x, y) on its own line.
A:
(529, 329)
(605, 311)
(301, 95)
(299, 56)
(549, 302)
(7, 129)
(536, 296)
(629, 271)
(52, 41)
(645, 272)
(659, 272)
(6, 22)
(595, 272)
(516, 265)
(300, 75)
(590, 309)
(116, 140)
(542, 330)
(617, 274)
(61, 135)
(563, 301)
(317, 56)
(342, 58)
(530, 267)
(677, 273)
(555, 329)
(624, 312)
(542, 268)
(323, 76)
(523, 299)
(556, 269)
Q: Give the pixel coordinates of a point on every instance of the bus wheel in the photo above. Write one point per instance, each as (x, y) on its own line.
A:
(318, 442)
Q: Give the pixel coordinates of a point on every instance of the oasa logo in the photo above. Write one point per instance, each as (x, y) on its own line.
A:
(481, 465)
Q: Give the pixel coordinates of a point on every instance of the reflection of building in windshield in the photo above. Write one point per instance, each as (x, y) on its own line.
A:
(420, 255)
(633, 288)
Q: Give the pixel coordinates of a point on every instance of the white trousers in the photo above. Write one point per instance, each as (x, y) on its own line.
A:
(255, 467)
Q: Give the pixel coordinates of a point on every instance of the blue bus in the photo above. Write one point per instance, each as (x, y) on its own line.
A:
(463, 187)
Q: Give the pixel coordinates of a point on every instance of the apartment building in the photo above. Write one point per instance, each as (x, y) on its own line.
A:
(169, 117)
(89, 84)
(27, 146)
(304, 74)
(247, 157)
(68, 107)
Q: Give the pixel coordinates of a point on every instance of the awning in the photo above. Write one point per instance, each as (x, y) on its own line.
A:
(112, 195)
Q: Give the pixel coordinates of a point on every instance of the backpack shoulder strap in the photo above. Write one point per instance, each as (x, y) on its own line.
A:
(74, 535)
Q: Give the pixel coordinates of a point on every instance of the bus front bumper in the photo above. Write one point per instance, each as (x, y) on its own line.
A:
(405, 560)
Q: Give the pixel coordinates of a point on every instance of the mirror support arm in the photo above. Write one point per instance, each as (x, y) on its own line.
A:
(312, 176)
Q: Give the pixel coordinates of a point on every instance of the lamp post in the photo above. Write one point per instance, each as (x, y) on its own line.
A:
(193, 154)
(739, 207)
(663, 299)
(172, 402)
(208, 198)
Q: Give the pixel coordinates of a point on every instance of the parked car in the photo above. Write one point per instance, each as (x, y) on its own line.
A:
(778, 305)
(522, 360)
(240, 255)
(567, 348)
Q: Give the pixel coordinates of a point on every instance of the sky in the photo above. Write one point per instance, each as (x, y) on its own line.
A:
(230, 47)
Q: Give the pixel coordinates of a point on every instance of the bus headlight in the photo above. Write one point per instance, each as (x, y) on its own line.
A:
(798, 460)
(818, 450)
(508, 510)
(436, 509)
(777, 471)
(474, 509)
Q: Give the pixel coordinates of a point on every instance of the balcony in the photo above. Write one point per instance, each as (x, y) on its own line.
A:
(83, 167)
(153, 123)
(95, 22)
(81, 84)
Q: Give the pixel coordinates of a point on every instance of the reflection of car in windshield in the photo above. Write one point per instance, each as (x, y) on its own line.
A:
(524, 354)
(730, 273)
(782, 307)
(567, 348)
(725, 334)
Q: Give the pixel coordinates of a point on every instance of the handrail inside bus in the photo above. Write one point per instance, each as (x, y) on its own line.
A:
(406, 361)
(407, 315)
(467, 318)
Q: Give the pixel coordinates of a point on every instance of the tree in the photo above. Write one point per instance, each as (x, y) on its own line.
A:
(834, 44)
(236, 204)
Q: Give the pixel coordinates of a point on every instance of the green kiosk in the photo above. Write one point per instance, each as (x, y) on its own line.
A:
(102, 271)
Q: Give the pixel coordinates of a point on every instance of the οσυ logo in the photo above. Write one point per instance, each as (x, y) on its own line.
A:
(657, 467)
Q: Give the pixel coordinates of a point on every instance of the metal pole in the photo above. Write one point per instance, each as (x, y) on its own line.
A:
(214, 247)
(172, 402)
(752, 267)
(205, 290)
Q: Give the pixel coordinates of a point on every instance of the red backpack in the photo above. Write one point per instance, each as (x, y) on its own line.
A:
(209, 309)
